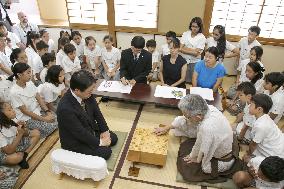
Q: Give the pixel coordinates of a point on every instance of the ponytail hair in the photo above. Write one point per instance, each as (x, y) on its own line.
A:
(32, 35)
(15, 54)
(18, 69)
(258, 69)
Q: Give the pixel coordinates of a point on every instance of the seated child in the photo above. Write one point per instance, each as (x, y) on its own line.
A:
(45, 37)
(16, 141)
(28, 104)
(53, 88)
(70, 62)
(263, 173)
(78, 44)
(42, 48)
(166, 47)
(110, 59)
(245, 120)
(93, 54)
(18, 56)
(267, 139)
(59, 56)
(274, 89)
(62, 34)
(48, 59)
(151, 47)
(5, 63)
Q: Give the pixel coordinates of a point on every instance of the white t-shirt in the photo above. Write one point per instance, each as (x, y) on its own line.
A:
(245, 47)
(7, 135)
(49, 92)
(165, 49)
(5, 61)
(51, 46)
(92, 55)
(14, 39)
(259, 86)
(24, 96)
(192, 42)
(70, 67)
(37, 64)
(249, 120)
(111, 58)
(261, 184)
(278, 103)
(30, 54)
(79, 48)
(42, 74)
(268, 137)
(59, 57)
(5, 86)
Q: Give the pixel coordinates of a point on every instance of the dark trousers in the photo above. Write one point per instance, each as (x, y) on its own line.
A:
(101, 151)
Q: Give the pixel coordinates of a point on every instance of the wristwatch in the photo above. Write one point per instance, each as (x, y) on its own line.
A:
(45, 111)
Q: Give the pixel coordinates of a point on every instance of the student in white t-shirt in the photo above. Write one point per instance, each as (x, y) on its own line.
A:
(15, 41)
(110, 59)
(263, 173)
(42, 48)
(48, 60)
(254, 72)
(53, 88)
(151, 47)
(78, 43)
(267, 139)
(192, 45)
(5, 64)
(45, 37)
(60, 54)
(273, 88)
(218, 39)
(93, 55)
(16, 141)
(246, 43)
(27, 102)
(18, 56)
(70, 62)
(32, 39)
(166, 47)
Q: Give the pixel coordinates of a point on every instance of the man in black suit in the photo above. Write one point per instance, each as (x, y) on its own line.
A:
(82, 127)
(135, 63)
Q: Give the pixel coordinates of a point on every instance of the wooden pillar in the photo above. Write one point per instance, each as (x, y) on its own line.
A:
(207, 16)
(111, 19)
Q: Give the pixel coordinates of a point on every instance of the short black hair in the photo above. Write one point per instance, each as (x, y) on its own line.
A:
(213, 50)
(69, 48)
(46, 58)
(247, 88)
(255, 29)
(272, 168)
(258, 51)
(42, 32)
(74, 33)
(275, 78)
(171, 34)
(32, 35)
(82, 80)
(41, 45)
(109, 37)
(15, 55)
(53, 74)
(198, 21)
(263, 101)
(88, 39)
(138, 42)
(63, 41)
(151, 43)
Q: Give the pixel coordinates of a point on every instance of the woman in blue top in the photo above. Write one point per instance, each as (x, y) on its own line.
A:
(208, 73)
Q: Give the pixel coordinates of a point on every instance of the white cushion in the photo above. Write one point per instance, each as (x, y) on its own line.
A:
(78, 165)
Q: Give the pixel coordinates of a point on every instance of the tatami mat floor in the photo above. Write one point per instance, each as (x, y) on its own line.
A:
(120, 116)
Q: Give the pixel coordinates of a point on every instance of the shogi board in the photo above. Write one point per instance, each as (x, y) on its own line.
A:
(147, 147)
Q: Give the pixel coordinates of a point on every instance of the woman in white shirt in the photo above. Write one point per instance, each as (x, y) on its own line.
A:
(53, 88)
(27, 102)
(32, 39)
(192, 45)
(45, 37)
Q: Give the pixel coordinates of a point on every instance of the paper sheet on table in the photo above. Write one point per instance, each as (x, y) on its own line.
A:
(114, 86)
(169, 92)
(205, 93)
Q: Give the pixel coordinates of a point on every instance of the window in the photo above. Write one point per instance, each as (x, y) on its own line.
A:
(238, 15)
(136, 13)
(87, 11)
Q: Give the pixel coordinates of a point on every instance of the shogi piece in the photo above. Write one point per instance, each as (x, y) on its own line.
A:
(78, 165)
(147, 147)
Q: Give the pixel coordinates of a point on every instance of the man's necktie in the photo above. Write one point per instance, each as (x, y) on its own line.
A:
(136, 59)
(83, 105)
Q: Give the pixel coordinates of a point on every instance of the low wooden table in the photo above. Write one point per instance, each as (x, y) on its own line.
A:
(143, 93)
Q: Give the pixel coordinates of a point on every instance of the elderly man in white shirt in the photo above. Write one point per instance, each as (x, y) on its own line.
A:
(21, 29)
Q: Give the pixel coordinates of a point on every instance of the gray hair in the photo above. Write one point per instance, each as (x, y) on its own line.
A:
(193, 105)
